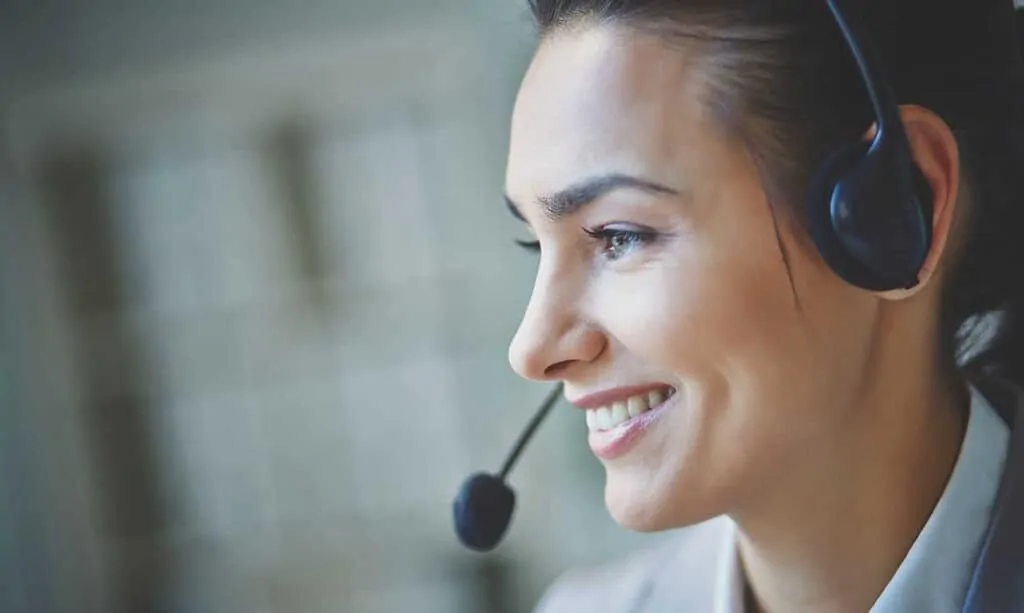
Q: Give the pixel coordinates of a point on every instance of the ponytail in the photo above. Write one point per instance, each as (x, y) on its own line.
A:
(985, 299)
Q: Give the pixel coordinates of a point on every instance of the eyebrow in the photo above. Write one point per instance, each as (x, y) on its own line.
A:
(563, 203)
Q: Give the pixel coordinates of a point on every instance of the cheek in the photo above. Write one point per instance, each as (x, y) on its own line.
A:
(705, 308)
(722, 319)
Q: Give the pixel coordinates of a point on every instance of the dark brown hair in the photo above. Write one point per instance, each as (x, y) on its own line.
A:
(781, 79)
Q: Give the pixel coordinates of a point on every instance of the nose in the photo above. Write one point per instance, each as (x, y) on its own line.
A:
(552, 338)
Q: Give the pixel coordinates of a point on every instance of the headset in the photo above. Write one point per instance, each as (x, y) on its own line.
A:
(869, 214)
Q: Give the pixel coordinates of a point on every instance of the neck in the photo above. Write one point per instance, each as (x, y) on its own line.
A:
(831, 538)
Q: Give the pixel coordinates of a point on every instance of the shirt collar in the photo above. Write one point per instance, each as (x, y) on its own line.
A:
(936, 573)
(730, 583)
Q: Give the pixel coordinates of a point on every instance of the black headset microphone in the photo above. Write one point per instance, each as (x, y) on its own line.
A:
(869, 214)
(483, 508)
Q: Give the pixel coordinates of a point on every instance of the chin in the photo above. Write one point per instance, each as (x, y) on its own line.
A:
(638, 518)
(642, 505)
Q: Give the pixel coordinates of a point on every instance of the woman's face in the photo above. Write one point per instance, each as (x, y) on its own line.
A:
(662, 291)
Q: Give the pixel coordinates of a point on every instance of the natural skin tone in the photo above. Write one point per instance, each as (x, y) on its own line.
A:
(817, 415)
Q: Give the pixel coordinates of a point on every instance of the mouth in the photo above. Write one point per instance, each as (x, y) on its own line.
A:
(626, 409)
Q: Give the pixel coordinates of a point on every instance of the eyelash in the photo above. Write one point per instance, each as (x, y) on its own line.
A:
(533, 246)
(632, 238)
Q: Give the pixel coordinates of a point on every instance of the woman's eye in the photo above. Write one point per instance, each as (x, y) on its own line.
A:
(619, 242)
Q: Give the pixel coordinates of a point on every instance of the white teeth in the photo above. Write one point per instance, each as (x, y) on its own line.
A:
(637, 405)
(606, 418)
(619, 413)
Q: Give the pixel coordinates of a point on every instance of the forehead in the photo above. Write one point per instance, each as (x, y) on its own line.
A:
(603, 99)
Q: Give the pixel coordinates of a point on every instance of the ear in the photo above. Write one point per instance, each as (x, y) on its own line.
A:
(937, 154)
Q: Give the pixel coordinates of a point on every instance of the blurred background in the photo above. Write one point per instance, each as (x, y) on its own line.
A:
(256, 288)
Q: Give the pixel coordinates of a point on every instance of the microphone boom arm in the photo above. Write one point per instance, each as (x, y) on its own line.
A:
(527, 434)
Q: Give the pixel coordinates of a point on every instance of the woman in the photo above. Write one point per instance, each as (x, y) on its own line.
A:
(829, 447)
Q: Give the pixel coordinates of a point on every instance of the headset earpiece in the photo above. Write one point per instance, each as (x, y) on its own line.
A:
(869, 209)
(869, 215)
(819, 214)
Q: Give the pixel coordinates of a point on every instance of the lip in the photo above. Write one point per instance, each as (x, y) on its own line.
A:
(615, 443)
(609, 397)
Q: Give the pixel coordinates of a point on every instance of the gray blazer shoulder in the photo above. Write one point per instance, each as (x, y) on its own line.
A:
(680, 569)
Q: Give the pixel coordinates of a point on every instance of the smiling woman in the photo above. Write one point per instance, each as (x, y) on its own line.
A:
(768, 337)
